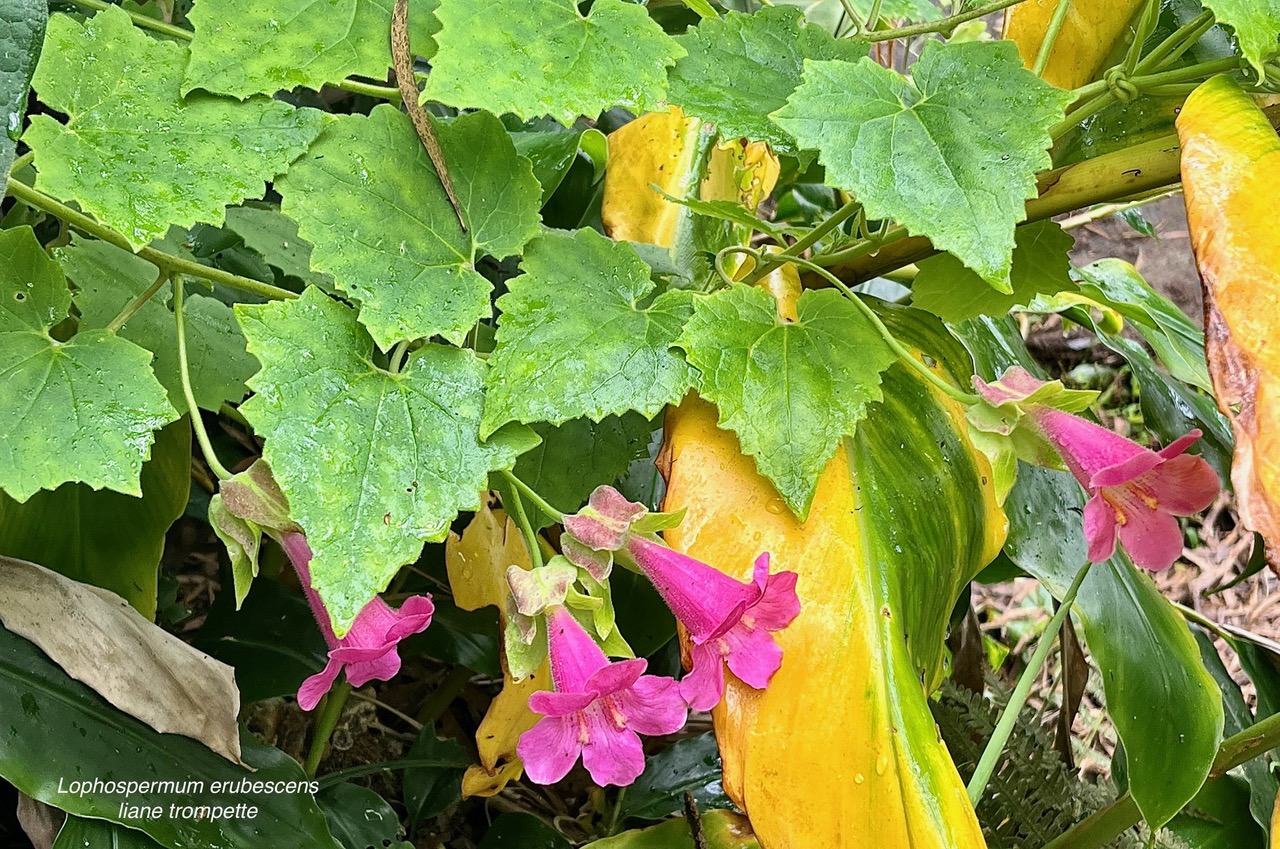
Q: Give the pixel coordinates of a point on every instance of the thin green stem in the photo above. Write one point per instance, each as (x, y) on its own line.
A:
(79, 221)
(341, 775)
(615, 815)
(137, 303)
(140, 21)
(1110, 822)
(382, 92)
(1086, 110)
(808, 240)
(197, 423)
(943, 26)
(533, 496)
(1178, 42)
(526, 528)
(1051, 37)
(897, 347)
(396, 360)
(1008, 719)
(330, 713)
(1146, 25)
(22, 161)
(867, 246)
(873, 17)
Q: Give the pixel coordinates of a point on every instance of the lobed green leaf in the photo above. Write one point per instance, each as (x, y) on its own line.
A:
(373, 463)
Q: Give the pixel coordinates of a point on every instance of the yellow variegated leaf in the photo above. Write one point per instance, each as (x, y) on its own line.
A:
(720, 830)
(681, 156)
(1088, 35)
(1230, 165)
(841, 750)
(507, 718)
(477, 561)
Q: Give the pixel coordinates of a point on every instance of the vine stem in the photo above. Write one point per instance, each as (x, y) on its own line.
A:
(1051, 37)
(383, 92)
(526, 530)
(1008, 719)
(532, 494)
(176, 265)
(197, 423)
(1108, 823)
(897, 347)
(1178, 42)
(330, 712)
(22, 162)
(942, 26)
(137, 303)
(808, 240)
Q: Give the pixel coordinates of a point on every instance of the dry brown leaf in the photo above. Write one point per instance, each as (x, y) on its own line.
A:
(99, 640)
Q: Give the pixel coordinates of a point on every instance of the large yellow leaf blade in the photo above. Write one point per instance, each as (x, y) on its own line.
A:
(1230, 167)
(1088, 35)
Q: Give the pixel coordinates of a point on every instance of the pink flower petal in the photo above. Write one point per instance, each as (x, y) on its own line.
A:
(315, 687)
(1014, 385)
(653, 705)
(1183, 486)
(1152, 537)
(550, 748)
(703, 687)
(617, 676)
(779, 605)
(1125, 471)
(1088, 448)
(612, 755)
(754, 655)
(381, 668)
(575, 657)
(701, 597)
(1180, 445)
(560, 704)
(1100, 529)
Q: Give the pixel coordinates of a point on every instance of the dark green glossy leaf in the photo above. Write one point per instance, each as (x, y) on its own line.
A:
(272, 641)
(358, 817)
(1263, 669)
(691, 765)
(1262, 786)
(553, 153)
(54, 729)
(576, 457)
(274, 236)
(1041, 264)
(467, 638)
(1218, 818)
(82, 833)
(522, 831)
(1165, 705)
(106, 538)
(432, 790)
(21, 35)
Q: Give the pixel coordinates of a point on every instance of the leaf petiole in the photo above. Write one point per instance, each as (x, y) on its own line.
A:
(137, 303)
(943, 26)
(530, 493)
(176, 265)
(516, 507)
(197, 423)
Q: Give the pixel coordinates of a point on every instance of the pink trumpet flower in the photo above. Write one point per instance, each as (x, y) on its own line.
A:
(598, 710)
(1135, 493)
(728, 621)
(369, 651)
